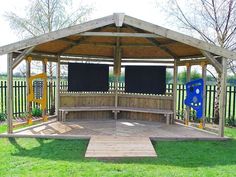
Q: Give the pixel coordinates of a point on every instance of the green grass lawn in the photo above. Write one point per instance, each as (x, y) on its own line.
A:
(42, 157)
(3, 128)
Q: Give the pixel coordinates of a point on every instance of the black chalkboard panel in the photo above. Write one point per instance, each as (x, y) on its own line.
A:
(88, 77)
(145, 79)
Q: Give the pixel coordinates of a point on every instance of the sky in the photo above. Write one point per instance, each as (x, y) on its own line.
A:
(143, 9)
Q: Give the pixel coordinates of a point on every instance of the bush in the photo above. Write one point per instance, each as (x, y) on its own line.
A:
(3, 117)
(231, 122)
(36, 112)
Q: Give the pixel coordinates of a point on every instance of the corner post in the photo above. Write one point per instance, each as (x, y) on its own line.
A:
(188, 78)
(175, 87)
(28, 74)
(9, 93)
(222, 98)
(45, 118)
(204, 66)
(57, 98)
(117, 70)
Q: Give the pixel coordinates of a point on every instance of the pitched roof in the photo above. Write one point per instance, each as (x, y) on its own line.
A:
(140, 39)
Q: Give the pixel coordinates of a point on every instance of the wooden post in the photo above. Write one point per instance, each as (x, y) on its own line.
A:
(117, 70)
(222, 98)
(204, 66)
(9, 93)
(175, 75)
(28, 74)
(188, 78)
(45, 118)
(116, 96)
(57, 97)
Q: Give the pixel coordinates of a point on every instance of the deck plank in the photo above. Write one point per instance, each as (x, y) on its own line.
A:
(118, 147)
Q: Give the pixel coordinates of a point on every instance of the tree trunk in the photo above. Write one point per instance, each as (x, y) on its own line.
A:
(217, 100)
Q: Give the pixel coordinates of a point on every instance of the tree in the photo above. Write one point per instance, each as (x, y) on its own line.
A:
(212, 20)
(182, 76)
(43, 16)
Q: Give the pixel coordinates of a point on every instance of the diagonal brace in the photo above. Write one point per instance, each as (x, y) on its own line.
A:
(213, 61)
(22, 56)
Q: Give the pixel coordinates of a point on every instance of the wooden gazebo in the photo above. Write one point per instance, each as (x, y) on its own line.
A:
(118, 39)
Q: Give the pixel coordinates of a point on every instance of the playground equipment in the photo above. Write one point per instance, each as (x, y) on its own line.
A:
(37, 92)
(194, 98)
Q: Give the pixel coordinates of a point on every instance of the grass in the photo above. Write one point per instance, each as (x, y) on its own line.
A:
(3, 127)
(42, 157)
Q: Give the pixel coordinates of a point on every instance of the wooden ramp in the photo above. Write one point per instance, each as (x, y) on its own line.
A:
(118, 147)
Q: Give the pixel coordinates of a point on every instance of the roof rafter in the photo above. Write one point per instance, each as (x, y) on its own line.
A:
(119, 20)
(93, 24)
(158, 44)
(167, 33)
(75, 43)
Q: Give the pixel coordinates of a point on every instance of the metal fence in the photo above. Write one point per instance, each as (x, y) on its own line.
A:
(19, 99)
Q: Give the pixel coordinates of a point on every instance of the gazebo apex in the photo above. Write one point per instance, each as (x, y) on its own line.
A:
(118, 39)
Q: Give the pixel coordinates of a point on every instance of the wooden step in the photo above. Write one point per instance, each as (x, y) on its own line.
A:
(118, 147)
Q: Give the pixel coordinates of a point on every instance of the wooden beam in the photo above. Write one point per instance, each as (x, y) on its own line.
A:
(212, 60)
(192, 62)
(131, 63)
(147, 61)
(9, 93)
(44, 70)
(188, 78)
(70, 41)
(22, 56)
(87, 59)
(93, 24)
(117, 59)
(77, 42)
(119, 19)
(28, 74)
(105, 44)
(163, 48)
(167, 33)
(204, 67)
(175, 88)
(117, 70)
(57, 97)
(49, 55)
(120, 34)
(222, 100)
(158, 44)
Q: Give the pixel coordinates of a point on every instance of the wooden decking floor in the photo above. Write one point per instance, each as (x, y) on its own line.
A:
(108, 147)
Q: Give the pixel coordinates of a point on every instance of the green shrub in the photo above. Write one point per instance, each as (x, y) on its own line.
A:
(36, 112)
(3, 117)
(231, 122)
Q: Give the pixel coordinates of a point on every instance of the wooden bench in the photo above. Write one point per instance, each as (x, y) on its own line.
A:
(66, 110)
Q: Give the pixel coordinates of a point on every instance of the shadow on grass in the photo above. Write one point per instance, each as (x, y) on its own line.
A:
(67, 150)
(192, 153)
(173, 153)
